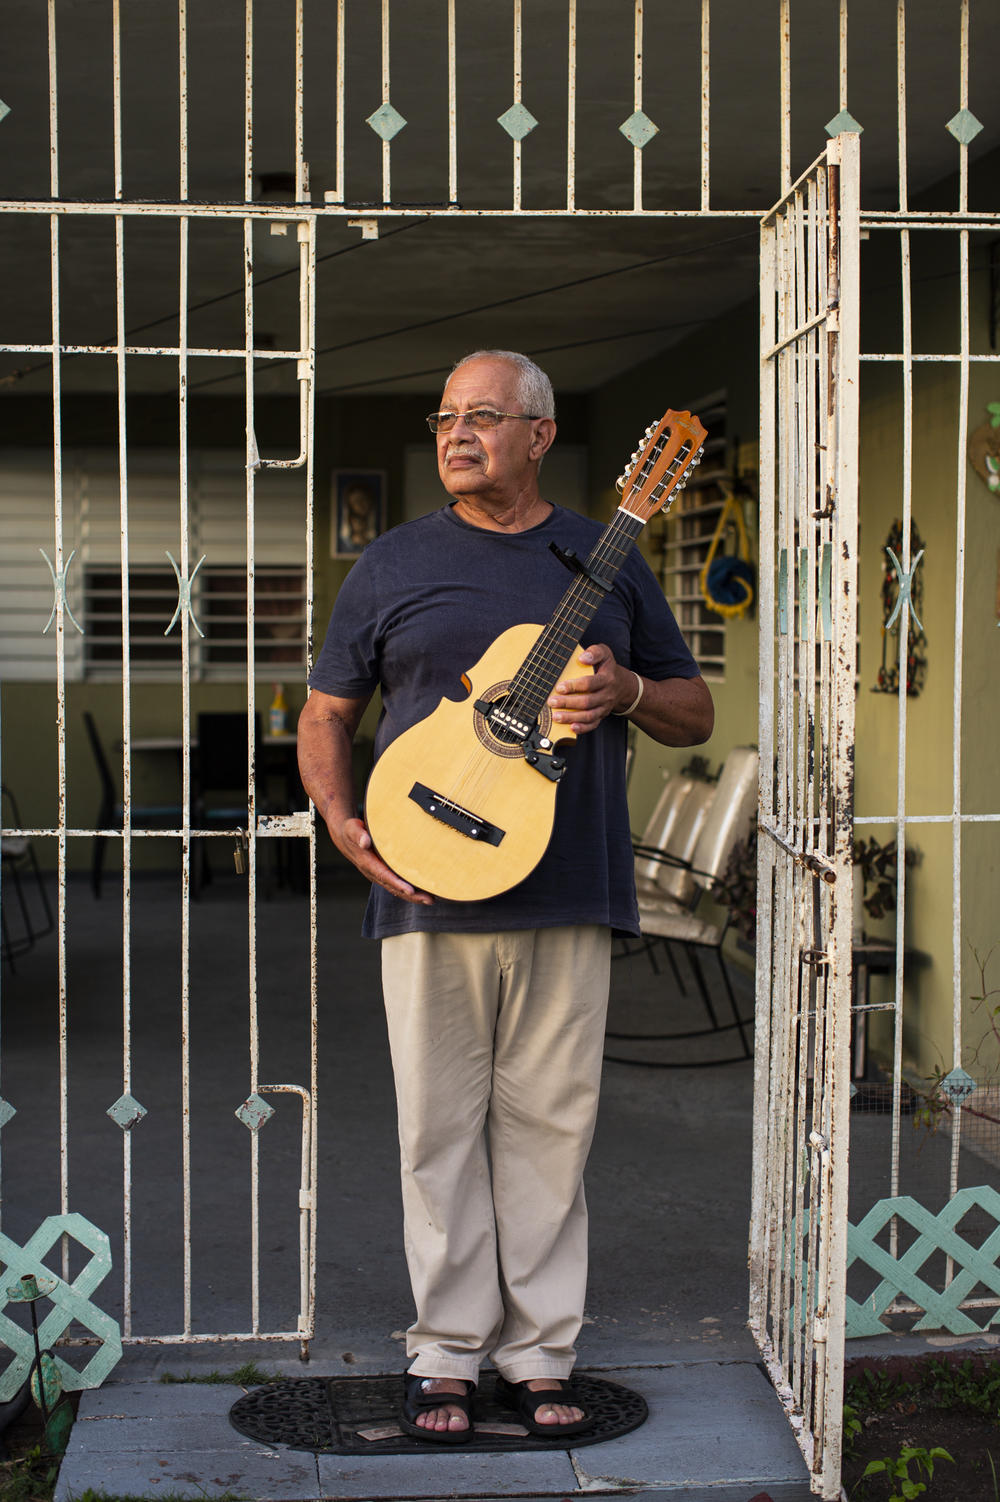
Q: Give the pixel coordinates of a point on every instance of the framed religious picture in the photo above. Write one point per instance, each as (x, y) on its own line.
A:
(357, 510)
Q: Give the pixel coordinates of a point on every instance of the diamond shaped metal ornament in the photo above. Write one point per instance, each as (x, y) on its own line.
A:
(843, 124)
(127, 1112)
(4, 110)
(964, 126)
(254, 1113)
(386, 121)
(518, 122)
(958, 1086)
(639, 129)
(6, 1111)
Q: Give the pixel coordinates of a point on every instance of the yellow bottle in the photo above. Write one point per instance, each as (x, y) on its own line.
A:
(278, 714)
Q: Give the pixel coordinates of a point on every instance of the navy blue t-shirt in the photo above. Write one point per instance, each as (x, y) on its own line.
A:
(417, 610)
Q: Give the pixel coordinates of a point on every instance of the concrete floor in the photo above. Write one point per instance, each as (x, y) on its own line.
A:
(668, 1182)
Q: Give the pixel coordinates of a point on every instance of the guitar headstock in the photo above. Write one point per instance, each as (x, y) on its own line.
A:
(662, 464)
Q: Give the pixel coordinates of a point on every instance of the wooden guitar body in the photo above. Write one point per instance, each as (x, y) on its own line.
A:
(453, 807)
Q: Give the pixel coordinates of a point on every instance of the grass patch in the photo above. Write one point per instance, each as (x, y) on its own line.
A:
(92, 1496)
(247, 1375)
(27, 1470)
(28, 1477)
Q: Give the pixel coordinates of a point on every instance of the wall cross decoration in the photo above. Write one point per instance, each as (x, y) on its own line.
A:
(902, 587)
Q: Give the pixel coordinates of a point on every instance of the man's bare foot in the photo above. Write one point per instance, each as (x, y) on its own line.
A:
(553, 1413)
(447, 1416)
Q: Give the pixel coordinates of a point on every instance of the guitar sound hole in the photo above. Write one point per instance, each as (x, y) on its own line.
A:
(501, 729)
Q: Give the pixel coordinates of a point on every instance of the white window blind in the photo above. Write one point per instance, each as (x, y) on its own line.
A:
(92, 526)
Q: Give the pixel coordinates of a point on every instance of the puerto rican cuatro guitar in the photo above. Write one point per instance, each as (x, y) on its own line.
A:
(462, 804)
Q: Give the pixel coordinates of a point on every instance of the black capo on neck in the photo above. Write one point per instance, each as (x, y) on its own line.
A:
(577, 566)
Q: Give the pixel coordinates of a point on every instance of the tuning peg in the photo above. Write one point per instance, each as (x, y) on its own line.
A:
(620, 484)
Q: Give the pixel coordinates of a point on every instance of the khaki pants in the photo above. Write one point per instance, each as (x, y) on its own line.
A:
(497, 1042)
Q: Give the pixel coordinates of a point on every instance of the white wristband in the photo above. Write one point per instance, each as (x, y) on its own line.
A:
(635, 701)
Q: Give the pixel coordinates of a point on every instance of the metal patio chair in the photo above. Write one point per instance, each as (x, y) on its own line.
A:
(705, 829)
(666, 845)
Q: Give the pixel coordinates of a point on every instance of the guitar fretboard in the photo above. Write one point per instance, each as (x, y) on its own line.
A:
(540, 671)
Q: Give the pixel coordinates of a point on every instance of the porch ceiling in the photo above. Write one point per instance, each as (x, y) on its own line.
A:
(590, 296)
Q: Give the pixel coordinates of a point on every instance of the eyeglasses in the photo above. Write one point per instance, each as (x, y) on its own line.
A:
(480, 419)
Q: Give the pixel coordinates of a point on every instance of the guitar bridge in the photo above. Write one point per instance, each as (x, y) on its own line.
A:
(446, 811)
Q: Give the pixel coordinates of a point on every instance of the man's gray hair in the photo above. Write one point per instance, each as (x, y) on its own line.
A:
(534, 389)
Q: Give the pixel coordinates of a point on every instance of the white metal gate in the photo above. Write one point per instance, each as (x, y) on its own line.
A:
(249, 833)
(808, 568)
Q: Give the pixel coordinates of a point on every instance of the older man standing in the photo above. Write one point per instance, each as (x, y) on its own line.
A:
(496, 1009)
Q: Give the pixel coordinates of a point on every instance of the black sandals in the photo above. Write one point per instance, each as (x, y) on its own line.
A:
(417, 1400)
(526, 1403)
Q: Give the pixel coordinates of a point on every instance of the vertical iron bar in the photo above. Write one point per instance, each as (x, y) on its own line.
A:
(386, 145)
(901, 721)
(705, 102)
(785, 65)
(250, 459)
(301, 167)
(57, 477)
(126, 672)
(901, 103)
(517, 100)
(571, 110)
(185, 625)
(637, 105)
(833, 1282)
(254, 1038)
(842, 54)
(963, 101)
(338, 191)
(248, 101)
(956, 752)
(759, 1214)
(452, 108)
(310, 335)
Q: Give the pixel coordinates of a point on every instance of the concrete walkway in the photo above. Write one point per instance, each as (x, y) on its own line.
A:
(715, 1434)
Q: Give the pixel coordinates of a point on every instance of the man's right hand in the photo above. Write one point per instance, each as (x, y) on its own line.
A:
(353, 840)
(327, 727)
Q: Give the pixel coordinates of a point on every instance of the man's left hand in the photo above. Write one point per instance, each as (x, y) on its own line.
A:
(582, 703)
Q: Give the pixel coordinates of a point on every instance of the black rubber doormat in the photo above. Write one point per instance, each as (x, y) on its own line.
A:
(358, 1416)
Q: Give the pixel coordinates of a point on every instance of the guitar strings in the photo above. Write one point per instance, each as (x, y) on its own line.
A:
(549, 655)
(548, 658)
(553, 650)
